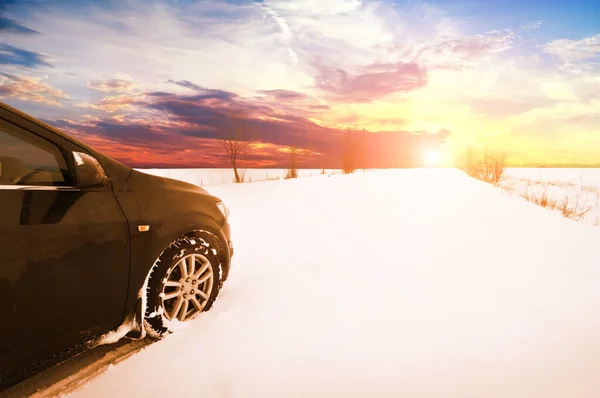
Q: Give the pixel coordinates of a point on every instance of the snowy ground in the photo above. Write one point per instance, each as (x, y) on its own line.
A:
(413, 283)
(577, 189)
(209, 177)
(573, 176)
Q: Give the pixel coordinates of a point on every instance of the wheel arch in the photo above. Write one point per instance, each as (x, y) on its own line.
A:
(146, 253)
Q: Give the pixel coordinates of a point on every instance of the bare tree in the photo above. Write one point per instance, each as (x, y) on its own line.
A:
(235, 138)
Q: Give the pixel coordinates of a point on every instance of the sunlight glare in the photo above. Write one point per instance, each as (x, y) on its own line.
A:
(432, 158)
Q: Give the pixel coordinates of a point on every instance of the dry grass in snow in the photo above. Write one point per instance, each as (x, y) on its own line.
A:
(575, 200)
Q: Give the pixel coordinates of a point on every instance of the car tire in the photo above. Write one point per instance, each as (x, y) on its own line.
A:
(178, 289)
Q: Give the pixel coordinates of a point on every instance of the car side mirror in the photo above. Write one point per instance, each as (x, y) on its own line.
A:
(88, 171)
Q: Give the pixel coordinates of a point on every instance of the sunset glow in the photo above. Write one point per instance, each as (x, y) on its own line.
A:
(148, 79)
(432, 158)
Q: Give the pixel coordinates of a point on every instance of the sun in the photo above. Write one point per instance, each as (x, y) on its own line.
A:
(432, 158)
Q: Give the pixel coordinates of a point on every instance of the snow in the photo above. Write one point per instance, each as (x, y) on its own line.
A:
(60, 380)
(116, 335)
(580, 188)
(416, 283)
(575, 176)
(209, 177)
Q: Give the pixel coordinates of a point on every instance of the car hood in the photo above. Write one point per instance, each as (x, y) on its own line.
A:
(149, 181)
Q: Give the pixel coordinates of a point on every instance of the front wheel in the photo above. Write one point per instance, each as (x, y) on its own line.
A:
(183, 283)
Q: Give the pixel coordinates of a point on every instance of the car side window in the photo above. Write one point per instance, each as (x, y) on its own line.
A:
(27, 159)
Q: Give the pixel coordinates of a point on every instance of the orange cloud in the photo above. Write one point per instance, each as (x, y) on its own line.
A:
(112, 85)
(30, 89)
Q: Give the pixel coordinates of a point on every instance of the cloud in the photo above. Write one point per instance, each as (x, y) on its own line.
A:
(215, 44)
(142, 143)
(570, 51)
(399, 66)
(384, 79)
(501, 107)
(205, 92)
(284, 95)
(204, 116)
(116, 103)
(174, 123)
(207, 42)
(29, 89)
(292, 102)
(10, 55)
(358, 120)
(187, 84)
(12, 26)
(324, 8)
(459, 52)
(284, 101)
(532, 25)
(285, 30)
(112, 85)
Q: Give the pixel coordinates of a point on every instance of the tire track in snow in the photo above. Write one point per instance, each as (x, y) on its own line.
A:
(74, 373)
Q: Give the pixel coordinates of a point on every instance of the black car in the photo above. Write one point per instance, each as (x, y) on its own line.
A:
(89, 246)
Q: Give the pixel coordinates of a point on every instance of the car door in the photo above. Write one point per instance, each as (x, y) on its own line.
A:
(64, 252)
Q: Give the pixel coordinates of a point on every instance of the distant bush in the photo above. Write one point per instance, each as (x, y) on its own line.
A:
(293, 170)
(291, 173)
(486, 167)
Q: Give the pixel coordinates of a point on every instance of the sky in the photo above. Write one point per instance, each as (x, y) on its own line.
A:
(155, 83)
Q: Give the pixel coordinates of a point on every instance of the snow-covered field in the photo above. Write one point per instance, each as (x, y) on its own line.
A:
(391, 283)
(573, 176)
(208, 177)
(577, 191)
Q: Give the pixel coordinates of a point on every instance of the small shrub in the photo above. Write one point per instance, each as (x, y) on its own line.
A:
(293, 170)
(543, 200)
(572, 208)
(291, 173)
(487, 167)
